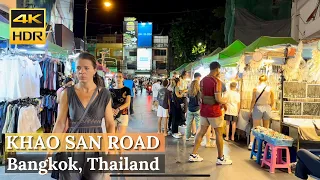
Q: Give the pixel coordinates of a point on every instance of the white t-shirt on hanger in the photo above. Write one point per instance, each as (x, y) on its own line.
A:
(3, 78)
(36, 75)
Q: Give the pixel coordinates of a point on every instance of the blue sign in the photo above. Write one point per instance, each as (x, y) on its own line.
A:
(144, 35)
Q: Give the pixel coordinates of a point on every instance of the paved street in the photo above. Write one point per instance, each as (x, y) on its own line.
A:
(177, 153)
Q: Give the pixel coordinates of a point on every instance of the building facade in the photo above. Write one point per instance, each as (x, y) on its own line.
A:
(305, 19)
(109, 46)
(160, 55)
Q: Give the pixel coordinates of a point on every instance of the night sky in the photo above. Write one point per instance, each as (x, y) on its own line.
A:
(102, 20)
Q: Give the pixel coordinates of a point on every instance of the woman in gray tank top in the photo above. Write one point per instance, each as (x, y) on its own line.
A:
(73, 103)
(261, 105)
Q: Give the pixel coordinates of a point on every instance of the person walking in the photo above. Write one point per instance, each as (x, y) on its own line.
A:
(130, 84)
(155, 90)
(163, 108)
(88, 106)
(121, 97)
(211, 114)
(193, 114)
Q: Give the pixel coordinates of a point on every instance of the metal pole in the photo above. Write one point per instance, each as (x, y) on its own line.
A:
(85, 25)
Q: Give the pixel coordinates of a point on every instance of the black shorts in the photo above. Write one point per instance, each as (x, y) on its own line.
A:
(230, 118)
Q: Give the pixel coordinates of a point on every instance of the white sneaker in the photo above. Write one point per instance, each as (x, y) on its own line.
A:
(225, 161)
(190, 138)
(195, 158)
(176, 135)
(250, 146)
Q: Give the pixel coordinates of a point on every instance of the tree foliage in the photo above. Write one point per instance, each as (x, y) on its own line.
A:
(196, 34)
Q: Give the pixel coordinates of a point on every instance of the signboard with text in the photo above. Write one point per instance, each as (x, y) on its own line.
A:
(144, 35)
(144, 56)
(130, 33)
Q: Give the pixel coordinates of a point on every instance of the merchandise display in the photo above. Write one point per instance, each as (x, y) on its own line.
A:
(21, 77)
(250, 81)
(28, 101)
(273, 137)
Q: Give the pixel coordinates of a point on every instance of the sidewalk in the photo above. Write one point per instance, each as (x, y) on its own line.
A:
(177, 153)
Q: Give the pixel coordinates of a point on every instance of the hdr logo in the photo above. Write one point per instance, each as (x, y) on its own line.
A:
(27, 26)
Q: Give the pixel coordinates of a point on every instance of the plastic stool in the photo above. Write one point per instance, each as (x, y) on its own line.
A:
(257, 154)
(276, 158)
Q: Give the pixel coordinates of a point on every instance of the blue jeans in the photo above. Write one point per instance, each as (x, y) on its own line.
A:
(190, 117)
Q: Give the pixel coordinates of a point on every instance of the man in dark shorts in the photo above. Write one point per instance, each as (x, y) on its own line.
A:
(211, 114)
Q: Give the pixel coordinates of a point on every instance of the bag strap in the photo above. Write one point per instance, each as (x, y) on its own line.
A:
(85, 112)
(259, 96)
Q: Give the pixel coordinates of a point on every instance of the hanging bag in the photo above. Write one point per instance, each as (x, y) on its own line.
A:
(259, 96)
(57, 156)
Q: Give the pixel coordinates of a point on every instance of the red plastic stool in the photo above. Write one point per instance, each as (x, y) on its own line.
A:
(276, 158)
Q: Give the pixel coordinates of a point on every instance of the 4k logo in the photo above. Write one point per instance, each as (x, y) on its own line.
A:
(27, 26)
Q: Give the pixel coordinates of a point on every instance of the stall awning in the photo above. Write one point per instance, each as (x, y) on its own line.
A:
(182, 67)
(269, 41)
(211, 57)
(261, 42)
(189, 66)
(57, 51)
(234, 48)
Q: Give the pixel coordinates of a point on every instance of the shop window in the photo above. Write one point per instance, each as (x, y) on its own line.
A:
(160, 52)
(133, 53)
(161, 65)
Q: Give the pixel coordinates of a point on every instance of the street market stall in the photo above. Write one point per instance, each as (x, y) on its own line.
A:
(301, 97)
(264, 56)
(228, 70)
(179, 69)
(38, 73)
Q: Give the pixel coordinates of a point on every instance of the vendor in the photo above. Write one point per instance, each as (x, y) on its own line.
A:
(261, 105)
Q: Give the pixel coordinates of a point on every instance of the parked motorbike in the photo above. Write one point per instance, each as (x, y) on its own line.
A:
(149, 89)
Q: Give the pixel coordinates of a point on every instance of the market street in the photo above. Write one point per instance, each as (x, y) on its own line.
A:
(177, 153)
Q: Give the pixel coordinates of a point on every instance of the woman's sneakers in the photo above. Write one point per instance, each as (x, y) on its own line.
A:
(224, 161)
(195, 158)
(176, 135)
(220, 161)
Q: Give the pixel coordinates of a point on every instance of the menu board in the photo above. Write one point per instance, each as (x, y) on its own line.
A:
(292, 108)
(311, 109)
(293, 89)
(313, 91)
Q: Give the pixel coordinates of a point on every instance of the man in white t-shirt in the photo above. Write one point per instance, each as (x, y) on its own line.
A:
(233, 108)
(155, 90)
